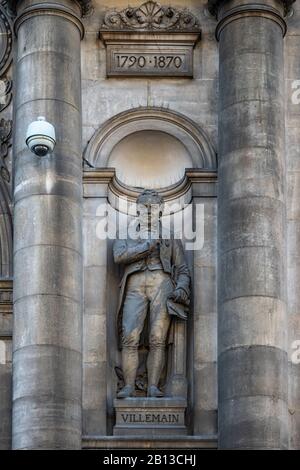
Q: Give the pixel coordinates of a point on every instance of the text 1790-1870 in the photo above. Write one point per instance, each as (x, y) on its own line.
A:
(149, 63)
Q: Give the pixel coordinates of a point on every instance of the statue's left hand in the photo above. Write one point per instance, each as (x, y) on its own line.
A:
(179, 295)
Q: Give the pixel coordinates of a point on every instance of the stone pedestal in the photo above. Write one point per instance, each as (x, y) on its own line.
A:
(150, 416)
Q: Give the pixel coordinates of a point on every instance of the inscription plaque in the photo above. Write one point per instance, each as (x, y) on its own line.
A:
(153, 418)
(140, 416)
(149, 61)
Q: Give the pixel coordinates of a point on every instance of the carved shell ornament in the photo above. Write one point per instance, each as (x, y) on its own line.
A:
(151, 16)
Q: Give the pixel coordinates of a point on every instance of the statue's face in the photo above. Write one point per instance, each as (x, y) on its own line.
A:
(149, 210)
(149, 216)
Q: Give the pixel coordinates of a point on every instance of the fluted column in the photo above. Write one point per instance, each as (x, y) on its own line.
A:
(47, 360)
(252, 357)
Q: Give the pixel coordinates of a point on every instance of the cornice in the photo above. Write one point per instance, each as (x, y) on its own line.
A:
(119, 189)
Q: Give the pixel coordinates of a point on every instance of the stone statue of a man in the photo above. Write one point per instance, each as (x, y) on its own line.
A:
(156, 282)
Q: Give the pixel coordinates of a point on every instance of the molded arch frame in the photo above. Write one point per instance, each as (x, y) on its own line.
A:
(192, 136)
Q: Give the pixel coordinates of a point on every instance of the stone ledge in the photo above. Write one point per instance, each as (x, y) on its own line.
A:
(136, 402)
(138, 442)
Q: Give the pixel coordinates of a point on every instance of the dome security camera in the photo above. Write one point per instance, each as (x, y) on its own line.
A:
(40, 137)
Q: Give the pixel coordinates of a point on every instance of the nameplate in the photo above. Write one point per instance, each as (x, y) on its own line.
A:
(150, 418)
(161, 415)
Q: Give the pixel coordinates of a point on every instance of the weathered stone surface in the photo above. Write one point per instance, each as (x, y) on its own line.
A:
(5, 401)
(292, 44)
(242, 372)
(52, 281)
(205, 298)
(246, 423)
(47, 360)
(205, 402)
(54, 361)
(53, 231)
(251, 229)
(206, 386)
(250, 223)
(263, 169)
(254, 277)
(205, 422)
(51, 318)
(237, 278)
(266, 315)
(95, 331)
(206, 350)
(61, 431)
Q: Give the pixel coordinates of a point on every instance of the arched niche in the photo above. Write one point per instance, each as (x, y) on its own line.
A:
(194, 140)
(149, 147)
(150, 159)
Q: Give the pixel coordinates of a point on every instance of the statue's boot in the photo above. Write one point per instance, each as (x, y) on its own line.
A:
(126, 392)
(154, 392)
(130, 360)
(155, 363)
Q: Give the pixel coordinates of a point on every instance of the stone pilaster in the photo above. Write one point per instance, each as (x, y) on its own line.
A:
(252, 357)
(47, 357)
(292, 75)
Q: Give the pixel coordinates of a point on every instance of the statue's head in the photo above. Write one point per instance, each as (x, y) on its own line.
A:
(149, 198)
(149, 209)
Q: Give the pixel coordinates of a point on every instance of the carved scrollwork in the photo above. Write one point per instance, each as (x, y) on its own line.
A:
(151, 16)
(5, 92)
(6, 38)
(5, 144)
(86, 7)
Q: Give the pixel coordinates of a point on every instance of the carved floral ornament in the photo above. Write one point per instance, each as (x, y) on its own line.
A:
(5, 144)
(151, 16)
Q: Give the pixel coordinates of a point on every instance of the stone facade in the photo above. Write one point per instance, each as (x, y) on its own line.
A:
(222, 137)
